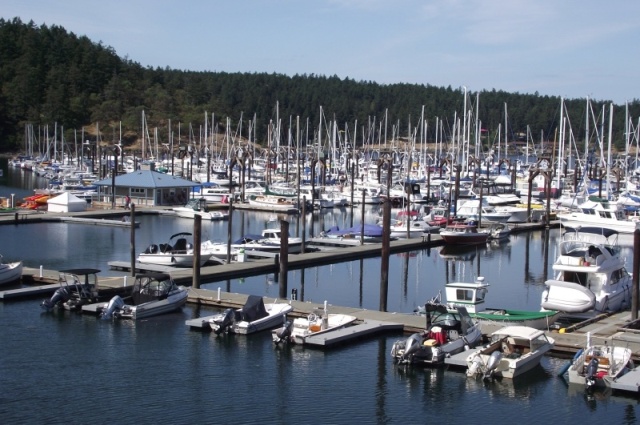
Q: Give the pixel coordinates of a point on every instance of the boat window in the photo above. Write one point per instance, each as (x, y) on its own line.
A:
(464, 294)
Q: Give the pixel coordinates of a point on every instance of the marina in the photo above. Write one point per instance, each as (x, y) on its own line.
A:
(348, 278)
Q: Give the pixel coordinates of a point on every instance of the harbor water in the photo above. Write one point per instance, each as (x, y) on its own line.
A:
(71, 368)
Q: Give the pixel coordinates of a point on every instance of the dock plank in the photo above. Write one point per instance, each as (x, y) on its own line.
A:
(349, 333)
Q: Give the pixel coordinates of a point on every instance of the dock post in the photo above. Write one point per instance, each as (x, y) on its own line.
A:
(352, 190)
(132, 240)
(197, 236)
(384, 255)
(304, 222)
(362, 219)
(229, 227)
(284, 258)
(636, 271)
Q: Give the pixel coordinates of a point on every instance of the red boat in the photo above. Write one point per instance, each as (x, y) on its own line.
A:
(463, 234)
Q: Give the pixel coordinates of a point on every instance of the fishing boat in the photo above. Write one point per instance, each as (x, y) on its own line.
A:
(199, 207)
(590, 275)
(317, 323)
(152, 294)
(10, 272)
(449, 331)
(254, 316)
(178, 254)
(511, 351)
(78, 287)
(472, 296)
(603, 366)
(463, 234)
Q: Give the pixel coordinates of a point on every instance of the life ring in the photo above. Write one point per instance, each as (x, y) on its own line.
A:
(312, 317)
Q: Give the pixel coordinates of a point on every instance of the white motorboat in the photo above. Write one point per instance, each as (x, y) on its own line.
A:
(498, 231)
(463, 234)
(449, 331)
(512, 351)
(78, 287)
(199, 207)
(269, 241)
(178, 254)
(599, 213)
(316, 323)
(472, 296)
(274, 203)
(590, 275)
(152, 294)
(603, 366)
(10, 272)
(254, 316)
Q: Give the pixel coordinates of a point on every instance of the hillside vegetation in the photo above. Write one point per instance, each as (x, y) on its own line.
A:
(51, 76)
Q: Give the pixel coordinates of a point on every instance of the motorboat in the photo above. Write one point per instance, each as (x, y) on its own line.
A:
(152, 294)
(10, 272)
(254, 316)
(471, 210)
(371, 233)
(511, 351)
(78, 287)
(498, 231)
(598, 212)
(463, 234)
(590, 275)
(472, 296)
(316, 323)
(274, 203)
(415, 227)
(269, 240)
(178, 254)
(449, 331)
(603, 366)
(198, 206)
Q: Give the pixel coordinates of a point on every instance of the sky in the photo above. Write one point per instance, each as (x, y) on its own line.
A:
(569, 48)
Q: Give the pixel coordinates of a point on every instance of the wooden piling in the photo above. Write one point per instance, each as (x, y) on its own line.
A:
(284, 258)
(132, 243)
(197, 241)
(384, 255)
(635, 273)
(229, 227)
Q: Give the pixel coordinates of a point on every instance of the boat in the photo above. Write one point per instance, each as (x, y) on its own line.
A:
(268, 241)
(78, 287)
(472, 296)
(316, 323)
(416, 226)
(371, 233)
(463, 234)
(274, 203)
(590, 276)
(152, 294)
(603, 366)
(10, 272)
(471, 210)
(511, 351)
(449, 331)
(178, 254)
(254, 316)
(199, 207)
(597, 212)
(498, 231)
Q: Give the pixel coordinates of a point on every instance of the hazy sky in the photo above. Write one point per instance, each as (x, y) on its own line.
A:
(570, 48)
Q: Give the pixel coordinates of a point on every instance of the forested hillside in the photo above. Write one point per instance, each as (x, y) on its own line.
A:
(49, 75)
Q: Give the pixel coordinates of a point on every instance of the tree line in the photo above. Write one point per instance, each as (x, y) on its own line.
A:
(49, 75)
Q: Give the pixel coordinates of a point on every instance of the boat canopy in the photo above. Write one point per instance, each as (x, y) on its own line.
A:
(253, 309)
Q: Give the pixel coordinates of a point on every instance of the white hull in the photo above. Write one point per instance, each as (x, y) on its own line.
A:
(277, 313)
(173, 260)
(304, 328)
(154, 308)
(10, 272)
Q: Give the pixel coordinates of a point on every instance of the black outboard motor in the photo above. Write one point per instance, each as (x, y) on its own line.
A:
(590, 373)
(220, 324)
(61, 295)
(283, 334)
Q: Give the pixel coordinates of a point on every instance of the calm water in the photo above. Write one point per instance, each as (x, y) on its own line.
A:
(74, 368)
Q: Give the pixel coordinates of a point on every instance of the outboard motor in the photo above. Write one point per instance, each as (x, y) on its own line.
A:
(220, 324)
(116, 303)
(492, 364)
(590, 373)
(412, 345)
(60, 296)
(283, 334)
(476, 366)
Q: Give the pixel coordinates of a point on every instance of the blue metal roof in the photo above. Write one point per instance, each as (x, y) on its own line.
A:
(147, 179)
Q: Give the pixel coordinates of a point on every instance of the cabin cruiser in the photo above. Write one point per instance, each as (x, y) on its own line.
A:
(198, 206)
(590, 276)
(152, 294)
(599, 213)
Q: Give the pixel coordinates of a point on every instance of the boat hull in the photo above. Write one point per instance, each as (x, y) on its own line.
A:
(10, 272)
